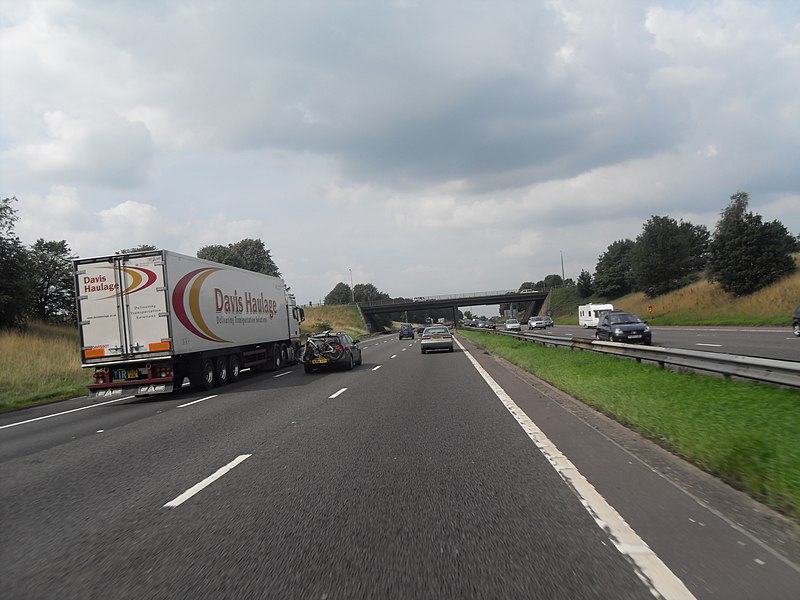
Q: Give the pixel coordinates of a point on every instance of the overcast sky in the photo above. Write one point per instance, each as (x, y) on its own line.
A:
(431, 147)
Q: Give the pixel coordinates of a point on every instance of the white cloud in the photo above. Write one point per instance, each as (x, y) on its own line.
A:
(460, 148)
(109, 150)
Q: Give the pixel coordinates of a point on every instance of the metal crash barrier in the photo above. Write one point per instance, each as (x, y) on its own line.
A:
(768, 370)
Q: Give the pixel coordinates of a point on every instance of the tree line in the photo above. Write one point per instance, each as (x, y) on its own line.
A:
(744, 254)
(36, 281)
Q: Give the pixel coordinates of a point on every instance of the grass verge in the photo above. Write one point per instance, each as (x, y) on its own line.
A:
(344, 317)
(39, 364)
(745, 433)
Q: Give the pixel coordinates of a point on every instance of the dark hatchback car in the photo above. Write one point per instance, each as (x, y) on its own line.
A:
(796, 321)
(338, 349)
(406, 331)
(621, 326)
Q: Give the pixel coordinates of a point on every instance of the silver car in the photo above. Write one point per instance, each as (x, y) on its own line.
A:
(537, 323)
(436, 337)
(512, 325)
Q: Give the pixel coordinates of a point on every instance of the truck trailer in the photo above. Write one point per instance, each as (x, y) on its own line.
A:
(148, 320)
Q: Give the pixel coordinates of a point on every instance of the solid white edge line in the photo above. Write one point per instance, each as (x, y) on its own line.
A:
(711, 345)
(376, 368)
(66, 412)
(339, 393)
(196, 401)
(648, 566)
(206, 482)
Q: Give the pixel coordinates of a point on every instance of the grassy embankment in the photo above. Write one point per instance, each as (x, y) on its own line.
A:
(701, 303)
(745, 433)
(40, 364)
(336, 318)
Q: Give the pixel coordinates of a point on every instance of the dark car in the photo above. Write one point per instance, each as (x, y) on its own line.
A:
(332, 349)
(489, 325)
(796, 321)
(621, 326)
(406, 331)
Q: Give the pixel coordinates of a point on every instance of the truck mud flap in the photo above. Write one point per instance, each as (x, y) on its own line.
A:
(136, 390)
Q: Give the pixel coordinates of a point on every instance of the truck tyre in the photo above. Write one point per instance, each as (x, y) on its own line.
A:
(234, 367)
(221, 370)
(202, 376)
(286, 354)
(178, 376)
(277, 357)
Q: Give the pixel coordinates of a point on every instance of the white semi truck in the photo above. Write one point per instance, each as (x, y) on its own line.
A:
(150, 319)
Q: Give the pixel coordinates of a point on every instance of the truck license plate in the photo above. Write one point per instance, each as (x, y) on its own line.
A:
(122, 374)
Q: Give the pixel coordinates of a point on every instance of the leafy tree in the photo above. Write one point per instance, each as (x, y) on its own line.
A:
(612, 274)
(698, 237)
(366, 292)
(14, 288)
(747, 254)
(666, 254)
(554, 280)
(340, 294)
(247, 254)
(52, 294)
(139, 248)
(468, 314)
(585, 284)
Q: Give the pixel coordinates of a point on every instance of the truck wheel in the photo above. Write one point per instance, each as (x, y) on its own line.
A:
(221, 370)
(277, 356)
(203, 374)
(177, 377)
(234, 367)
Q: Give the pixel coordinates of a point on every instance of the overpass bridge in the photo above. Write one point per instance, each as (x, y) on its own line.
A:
(535, 299)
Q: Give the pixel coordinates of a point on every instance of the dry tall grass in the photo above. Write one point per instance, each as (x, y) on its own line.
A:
(705, 302)
(336, 318)
(40, 363)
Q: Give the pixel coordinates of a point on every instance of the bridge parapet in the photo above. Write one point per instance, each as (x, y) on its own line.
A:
(465, 296)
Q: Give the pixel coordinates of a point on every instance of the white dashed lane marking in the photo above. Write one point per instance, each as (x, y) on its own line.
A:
(206, 482)
(196, 401)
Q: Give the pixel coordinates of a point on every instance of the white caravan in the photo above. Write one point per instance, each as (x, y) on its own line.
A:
(589, 314)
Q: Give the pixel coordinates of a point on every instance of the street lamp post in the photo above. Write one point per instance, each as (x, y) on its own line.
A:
(352, 290)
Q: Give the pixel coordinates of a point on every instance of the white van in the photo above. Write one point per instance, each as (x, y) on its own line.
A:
(589, 314)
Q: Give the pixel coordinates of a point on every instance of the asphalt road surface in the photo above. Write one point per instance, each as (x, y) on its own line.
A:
(764, 342)
(448, 475)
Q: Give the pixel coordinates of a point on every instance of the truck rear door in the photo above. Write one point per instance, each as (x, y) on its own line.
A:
(123, 308)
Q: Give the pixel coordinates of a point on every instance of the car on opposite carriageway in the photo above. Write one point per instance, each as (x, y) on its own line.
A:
(622, 326)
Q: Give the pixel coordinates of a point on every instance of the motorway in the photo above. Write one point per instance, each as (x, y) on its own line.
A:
(448, 475)
(764, 342)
